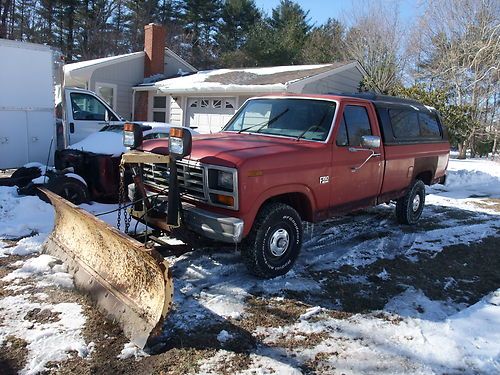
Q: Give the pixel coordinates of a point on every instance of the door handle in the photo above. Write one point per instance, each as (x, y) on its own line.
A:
(71, 127)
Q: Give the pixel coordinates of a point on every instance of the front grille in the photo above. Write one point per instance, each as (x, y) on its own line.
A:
(191, 178)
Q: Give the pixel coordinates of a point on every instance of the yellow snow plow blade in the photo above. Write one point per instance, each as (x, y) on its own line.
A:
(130, 284)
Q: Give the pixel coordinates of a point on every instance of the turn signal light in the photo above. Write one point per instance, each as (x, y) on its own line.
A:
(225, 199)
(176, 132)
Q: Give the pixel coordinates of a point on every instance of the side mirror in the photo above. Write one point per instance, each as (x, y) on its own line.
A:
(370, 141)
(180, 142)
(132, 135)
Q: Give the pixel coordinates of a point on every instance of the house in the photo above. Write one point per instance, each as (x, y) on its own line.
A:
(207, 99)
(158, 85)
(112, 78)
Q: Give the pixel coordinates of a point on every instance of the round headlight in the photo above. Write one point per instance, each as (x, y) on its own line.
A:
(225, 180)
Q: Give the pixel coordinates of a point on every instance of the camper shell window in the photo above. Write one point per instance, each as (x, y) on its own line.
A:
(404, 124)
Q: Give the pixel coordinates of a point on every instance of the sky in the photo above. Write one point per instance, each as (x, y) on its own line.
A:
(321, 10)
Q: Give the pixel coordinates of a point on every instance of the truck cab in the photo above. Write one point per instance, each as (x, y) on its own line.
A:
(86, 113)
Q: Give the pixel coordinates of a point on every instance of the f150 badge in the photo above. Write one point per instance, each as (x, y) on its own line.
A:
(324, 179)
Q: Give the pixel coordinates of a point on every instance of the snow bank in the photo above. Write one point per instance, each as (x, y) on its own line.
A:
(473, 176)
(21, 216)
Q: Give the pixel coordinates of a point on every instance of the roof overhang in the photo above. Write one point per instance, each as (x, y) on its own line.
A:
(223, 89)
(82, 71)
(298, 85)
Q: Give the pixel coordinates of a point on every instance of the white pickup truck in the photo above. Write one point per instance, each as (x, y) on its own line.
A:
(33, 101)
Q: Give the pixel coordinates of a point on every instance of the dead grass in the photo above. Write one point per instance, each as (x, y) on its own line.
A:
(489, 203)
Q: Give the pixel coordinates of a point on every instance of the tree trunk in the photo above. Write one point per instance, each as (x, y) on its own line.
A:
(494, 148)
(462, 150)
(4, 12)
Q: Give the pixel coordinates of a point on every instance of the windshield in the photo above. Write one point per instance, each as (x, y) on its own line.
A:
(297, 118)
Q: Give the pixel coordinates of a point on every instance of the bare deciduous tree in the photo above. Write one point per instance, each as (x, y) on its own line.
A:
(375, 38)
(457, 47)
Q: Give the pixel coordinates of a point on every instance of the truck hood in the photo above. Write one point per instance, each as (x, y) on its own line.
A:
(232, 149)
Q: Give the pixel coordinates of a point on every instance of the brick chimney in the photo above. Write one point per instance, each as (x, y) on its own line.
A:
(154, 60)
(154, 46)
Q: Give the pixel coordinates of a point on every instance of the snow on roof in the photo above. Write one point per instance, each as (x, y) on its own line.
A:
(272, 79)
(105, 60)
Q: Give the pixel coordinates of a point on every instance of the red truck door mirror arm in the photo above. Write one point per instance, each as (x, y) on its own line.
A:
(368, 142)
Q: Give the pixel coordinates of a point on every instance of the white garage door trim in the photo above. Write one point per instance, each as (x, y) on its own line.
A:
(209, 114)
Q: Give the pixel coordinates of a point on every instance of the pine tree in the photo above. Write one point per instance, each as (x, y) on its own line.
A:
(139, 13)
(237, 19)
(279, 39)
(325, 44)
(201, 18)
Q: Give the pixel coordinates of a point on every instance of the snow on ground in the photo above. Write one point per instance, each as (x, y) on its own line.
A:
(366, 296)
(23, 308)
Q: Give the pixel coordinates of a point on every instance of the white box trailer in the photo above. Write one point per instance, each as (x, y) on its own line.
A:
(29, 75)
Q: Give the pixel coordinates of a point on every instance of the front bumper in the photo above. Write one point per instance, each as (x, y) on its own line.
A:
(206, 223)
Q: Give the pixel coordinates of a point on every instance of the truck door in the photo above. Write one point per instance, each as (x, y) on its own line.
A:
(86, 114)
(356, 169)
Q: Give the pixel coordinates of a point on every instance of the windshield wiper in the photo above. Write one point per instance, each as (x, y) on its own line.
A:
(264, 123)
(312, 126)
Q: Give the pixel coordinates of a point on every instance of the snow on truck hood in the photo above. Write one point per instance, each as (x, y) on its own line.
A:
(106, 143)
(110, 142)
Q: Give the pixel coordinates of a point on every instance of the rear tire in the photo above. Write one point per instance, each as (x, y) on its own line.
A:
(409, 207)
(274, 243)
(24, 175)
(69, 188)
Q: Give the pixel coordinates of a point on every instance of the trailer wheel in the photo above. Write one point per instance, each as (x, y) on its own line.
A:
(409, 207)
(274, 243)
(23, 176)
(69, 188)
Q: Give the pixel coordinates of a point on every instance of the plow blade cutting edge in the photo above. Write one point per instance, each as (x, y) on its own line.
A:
(130, 284)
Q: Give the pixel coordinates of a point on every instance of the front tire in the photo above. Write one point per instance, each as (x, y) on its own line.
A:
(69, 188)
(274, 243)
(409, 207)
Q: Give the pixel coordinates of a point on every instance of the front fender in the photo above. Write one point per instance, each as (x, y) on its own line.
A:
(274, 192)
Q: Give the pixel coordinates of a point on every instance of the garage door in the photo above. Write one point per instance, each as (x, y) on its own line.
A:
(209, 115)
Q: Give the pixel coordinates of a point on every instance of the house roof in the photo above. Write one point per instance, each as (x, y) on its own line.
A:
(95, 63)
(272, 79)
(84, 69)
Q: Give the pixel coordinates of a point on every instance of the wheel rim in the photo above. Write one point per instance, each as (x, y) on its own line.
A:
(70, 195)
(279, 242)
(416, 203)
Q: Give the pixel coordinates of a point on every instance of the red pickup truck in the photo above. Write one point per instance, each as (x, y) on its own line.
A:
(288, 159)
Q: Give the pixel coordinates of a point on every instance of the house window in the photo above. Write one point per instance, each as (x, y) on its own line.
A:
(194, 104)
(160, 102)
(204, 103)
(160, 108)
(228, 104)
(217, 103)
(107, 92)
